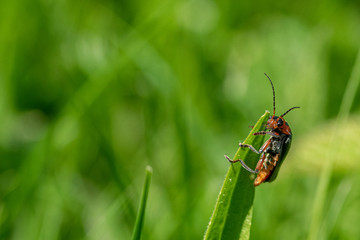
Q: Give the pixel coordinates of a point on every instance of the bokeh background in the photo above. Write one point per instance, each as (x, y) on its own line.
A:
(91, 92)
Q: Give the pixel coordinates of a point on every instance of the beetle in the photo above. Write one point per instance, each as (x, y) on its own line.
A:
(274, 150)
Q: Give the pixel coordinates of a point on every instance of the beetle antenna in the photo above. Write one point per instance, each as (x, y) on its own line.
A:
(273, 92)
(288, 111)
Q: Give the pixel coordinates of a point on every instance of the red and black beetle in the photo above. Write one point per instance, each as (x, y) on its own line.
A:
(274, 150)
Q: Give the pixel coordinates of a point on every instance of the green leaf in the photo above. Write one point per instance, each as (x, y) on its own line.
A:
(232, 215)
(141, 214)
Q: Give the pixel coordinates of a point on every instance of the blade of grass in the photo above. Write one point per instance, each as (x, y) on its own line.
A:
(232, 215)
(321, 192)
(141, 214)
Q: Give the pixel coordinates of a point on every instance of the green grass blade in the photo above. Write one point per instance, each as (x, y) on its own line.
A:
(232, 215)
(326, 172)
(141, 214)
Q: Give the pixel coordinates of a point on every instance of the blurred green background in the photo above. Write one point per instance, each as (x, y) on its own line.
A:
(94, 91)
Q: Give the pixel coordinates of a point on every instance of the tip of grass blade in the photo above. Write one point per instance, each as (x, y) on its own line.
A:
(141, 214)
(231, 218)
(148, 169)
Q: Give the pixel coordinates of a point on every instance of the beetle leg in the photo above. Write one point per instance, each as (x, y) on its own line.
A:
(265, 132)
(251, 148)
(242, 164)
(247, 167)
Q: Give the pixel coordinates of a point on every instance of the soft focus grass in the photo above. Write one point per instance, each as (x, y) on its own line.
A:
(139, 224)
(92, 92)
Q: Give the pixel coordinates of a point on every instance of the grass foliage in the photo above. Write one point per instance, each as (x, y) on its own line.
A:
(141, 213)
(232, 215)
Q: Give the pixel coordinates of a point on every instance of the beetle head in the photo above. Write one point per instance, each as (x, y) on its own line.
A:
(278, 124)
